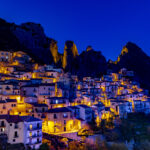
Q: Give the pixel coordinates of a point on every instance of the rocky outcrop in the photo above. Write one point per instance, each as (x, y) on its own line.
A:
(28, 37)
(91, 63)
(57, 57)
(133, 58)
(70, 55)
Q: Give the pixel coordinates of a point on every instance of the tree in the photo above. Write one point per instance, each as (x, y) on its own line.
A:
(44, 147)
(118, 146)
(103, 126)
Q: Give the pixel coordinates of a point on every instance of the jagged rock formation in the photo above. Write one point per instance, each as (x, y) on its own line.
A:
(69, 56)
(91, 63)
(57, 57)
(133, 58)
(88, 63)
(89, 48)
(28, 37)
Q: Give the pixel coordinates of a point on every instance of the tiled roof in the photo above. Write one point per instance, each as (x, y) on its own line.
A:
(39, 105)
(17, 119)
(84, 106)
(73, 107)
(59, 110)
(11, 118)
(29, 118)
(11, 100)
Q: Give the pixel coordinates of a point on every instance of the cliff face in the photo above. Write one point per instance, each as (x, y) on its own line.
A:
(88, 63)
(28, 37)
(57, 57)
(133, 58)
(69, 56)
(91, 63)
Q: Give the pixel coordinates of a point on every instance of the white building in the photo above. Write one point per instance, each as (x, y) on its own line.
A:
(22, 129)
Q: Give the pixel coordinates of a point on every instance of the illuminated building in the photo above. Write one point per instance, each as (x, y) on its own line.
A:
(59, 121)
(22, 129)
(8, 106)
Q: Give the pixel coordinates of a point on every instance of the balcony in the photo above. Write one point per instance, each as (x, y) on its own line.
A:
(35, 136)
(35, 128)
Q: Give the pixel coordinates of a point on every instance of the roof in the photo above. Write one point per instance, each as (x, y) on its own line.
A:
(73, 107)
(99, 105)
(59, 110)
(57, 98)
(17, 119)
(39, 105)
(119, 101)
(8, 101)
(37, 85)
(11, 100)
(11, 118)
(29, 118)
(84, 106)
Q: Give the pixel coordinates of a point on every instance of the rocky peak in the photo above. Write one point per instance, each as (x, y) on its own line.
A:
(70, 53)
(89, 48)
(132, 49)
(92, 63)
(54, 51)
(134, 58)
(32, 27)
(70, 46)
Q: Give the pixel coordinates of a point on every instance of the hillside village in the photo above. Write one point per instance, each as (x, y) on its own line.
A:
(38, 100)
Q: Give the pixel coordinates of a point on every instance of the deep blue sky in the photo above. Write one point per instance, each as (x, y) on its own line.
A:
(105, 24)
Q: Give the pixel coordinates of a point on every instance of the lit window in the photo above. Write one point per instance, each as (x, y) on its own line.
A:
(30, 134)
(30, 126)
(65, 115)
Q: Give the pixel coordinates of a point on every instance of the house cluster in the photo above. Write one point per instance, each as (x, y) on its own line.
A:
(41, 98)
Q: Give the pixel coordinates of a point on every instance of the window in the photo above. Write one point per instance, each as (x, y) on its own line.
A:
(38, 141)
(64, 121)
(2, 129)
(30, 126)
(4, 107)
(2, 124)
(15, 134)
(43, 109)
(16, 125)
(38, 133)
(55, 116)
(38, 125)
(65, 115)
(30, 134)
(64, 128)
(34, 90)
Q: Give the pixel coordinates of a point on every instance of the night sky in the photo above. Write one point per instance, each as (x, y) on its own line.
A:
(106, 25)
